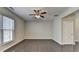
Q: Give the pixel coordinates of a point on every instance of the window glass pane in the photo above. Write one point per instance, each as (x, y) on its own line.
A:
(6, 29)
(8, 23)
(7, 36)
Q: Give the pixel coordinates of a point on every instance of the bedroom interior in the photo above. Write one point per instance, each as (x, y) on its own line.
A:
(39, 29)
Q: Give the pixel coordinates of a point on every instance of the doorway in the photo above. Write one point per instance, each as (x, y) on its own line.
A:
(68, 29)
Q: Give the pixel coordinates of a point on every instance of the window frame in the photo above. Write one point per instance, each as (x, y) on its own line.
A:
(1, 29)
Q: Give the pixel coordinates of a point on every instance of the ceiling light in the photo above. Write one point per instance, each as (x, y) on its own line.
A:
(37, 16)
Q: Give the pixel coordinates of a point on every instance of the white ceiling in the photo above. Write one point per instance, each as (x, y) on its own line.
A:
(51, 11)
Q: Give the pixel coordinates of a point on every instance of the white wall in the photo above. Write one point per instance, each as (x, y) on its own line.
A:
(38, 30)
(19, 33)
(56, 30)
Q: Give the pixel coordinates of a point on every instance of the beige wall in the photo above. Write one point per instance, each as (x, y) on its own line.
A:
(38, 30)
(68, 29)
(19, 34)
(77, 26)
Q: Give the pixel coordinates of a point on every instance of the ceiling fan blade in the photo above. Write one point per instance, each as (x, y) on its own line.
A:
(42, 16)
(35, 11)
(38, 10)
(43, 12)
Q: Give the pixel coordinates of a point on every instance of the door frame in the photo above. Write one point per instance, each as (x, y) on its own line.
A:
(72, 19)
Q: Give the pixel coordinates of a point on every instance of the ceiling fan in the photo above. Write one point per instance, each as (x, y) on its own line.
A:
(38, 14)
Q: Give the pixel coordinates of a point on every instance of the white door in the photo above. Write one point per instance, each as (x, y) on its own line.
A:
(68, 32)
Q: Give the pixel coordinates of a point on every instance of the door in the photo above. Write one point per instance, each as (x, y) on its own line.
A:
(68, 32)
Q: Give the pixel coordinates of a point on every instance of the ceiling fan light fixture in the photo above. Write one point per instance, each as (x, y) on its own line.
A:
(37, 16)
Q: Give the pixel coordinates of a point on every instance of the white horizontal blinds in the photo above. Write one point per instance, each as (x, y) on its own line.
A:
(8, 29)
(8, 23)
(7, 36)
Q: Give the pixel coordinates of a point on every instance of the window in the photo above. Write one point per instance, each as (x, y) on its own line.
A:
(6, 29)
